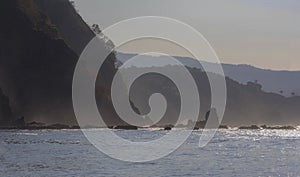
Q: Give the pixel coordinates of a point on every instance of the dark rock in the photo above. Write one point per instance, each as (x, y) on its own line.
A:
(168, 128)
(224, 127)
(125, 127)
(20, 122)
(5, 110)
(264, 127)
(200, 124)
(252, 127)
(36, 124)
(286, 128)
(75, 127)
(278, 127)
(58, 126)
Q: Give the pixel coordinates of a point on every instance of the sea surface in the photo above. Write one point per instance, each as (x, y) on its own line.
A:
(230, 153)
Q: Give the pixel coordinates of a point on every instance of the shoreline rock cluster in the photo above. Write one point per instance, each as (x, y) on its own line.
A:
(41, 126)
(265, 127)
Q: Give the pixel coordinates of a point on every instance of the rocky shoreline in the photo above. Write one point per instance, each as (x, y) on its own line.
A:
(265, 127)
(42, 126)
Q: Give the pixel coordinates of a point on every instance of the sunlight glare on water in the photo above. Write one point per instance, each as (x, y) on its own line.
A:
(230, 153)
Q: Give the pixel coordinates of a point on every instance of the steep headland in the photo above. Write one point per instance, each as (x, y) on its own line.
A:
(39, 52)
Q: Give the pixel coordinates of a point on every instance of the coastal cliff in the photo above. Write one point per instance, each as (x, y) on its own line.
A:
(39, 52)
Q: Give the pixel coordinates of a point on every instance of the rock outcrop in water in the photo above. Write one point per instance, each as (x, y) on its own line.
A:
(124, 127)
(265, 127)
(252, 127)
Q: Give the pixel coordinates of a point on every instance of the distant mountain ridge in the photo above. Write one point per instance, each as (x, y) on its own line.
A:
(286, 83)
(246, 104)
(282, 82)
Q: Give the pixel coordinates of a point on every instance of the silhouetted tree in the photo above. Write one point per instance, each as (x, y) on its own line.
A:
(74, 5)
(96, 28)
(253, 85)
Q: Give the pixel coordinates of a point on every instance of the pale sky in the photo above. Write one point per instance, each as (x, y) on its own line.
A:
(263, 33)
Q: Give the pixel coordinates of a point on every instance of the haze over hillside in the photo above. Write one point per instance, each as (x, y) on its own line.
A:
(246, 104)
(282, 82)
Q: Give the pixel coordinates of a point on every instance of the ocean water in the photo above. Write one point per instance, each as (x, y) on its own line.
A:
(230, 153)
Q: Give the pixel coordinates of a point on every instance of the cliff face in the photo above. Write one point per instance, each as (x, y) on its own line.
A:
(77, 34)
(5, 111)
(74, 31)
(37, 59)
(35, 62)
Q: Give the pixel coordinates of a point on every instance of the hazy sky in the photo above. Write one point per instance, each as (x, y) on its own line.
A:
(263, 33)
